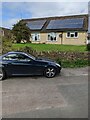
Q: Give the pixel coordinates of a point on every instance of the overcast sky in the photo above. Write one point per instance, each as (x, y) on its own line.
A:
(14, 11)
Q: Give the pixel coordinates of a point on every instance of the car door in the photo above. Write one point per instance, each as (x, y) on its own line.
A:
(23, 66)
(28, 66)
(18, 64)
(8, 61)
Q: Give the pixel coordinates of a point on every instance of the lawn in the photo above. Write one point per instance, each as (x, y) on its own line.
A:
(51, 47)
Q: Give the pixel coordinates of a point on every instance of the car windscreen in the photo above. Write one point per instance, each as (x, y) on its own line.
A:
(32, 57)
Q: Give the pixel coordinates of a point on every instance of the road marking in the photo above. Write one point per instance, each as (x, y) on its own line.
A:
(49, 107)
(73, 83)
(84, 74)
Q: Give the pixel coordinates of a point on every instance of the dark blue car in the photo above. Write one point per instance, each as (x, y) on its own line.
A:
(22, 64)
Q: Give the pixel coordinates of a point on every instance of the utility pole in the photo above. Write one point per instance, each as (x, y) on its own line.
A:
(20, 14)
(89, 17)
(88, 38)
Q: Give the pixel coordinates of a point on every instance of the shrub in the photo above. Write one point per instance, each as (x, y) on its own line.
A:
(29, 50)
(88, 47)
(73, 64)
(6, 45)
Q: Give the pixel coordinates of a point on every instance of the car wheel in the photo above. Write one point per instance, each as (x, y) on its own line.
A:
(2, 74)
(50, 72)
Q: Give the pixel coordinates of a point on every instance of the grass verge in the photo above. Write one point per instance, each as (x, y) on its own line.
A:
(51, 47)
(74, 64)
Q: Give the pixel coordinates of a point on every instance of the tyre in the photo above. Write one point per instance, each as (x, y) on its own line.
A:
(50, 72)
(2, 74)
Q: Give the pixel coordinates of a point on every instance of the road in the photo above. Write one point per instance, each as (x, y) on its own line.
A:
(65, 96)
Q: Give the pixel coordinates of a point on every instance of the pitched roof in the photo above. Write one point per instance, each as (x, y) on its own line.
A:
(2, 28)
(62, 23)
(7, 32)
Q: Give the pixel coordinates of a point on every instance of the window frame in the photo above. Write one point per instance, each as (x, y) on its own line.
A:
(35, 34)
(53, 37)
(72, 33)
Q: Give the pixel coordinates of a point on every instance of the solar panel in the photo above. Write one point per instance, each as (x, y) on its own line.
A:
(36, 25)
(66, 23)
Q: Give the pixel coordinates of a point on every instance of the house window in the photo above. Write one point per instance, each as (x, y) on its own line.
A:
(72, 34)
(35, 36)
(52, 36)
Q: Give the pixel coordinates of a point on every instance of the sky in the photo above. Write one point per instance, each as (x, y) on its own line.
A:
(12, 12)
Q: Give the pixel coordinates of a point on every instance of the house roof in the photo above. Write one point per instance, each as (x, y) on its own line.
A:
(7, 31)
(62, 23)
(2, 28)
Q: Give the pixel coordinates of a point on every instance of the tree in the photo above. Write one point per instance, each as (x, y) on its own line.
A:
(5, 44)
(21, 31)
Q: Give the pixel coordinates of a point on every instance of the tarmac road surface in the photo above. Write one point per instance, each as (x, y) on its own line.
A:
(64, 96)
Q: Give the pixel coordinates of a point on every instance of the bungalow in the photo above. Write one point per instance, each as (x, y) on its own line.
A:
(5, 32)
(88, 38)
(71, 30)
(1, 32)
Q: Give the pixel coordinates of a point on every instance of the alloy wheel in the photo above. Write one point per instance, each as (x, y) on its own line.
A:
(1, 74)
(50, 72)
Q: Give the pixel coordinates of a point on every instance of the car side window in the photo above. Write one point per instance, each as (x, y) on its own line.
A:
(17, 57)
(10, 57)
(22, 57)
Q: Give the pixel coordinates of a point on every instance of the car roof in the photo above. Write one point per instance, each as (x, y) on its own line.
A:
(17, 52)
(20, 53)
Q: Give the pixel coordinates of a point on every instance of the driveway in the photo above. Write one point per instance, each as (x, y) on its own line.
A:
(64, 96)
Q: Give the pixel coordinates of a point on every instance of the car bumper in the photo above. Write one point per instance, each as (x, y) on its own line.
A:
(58, 70)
